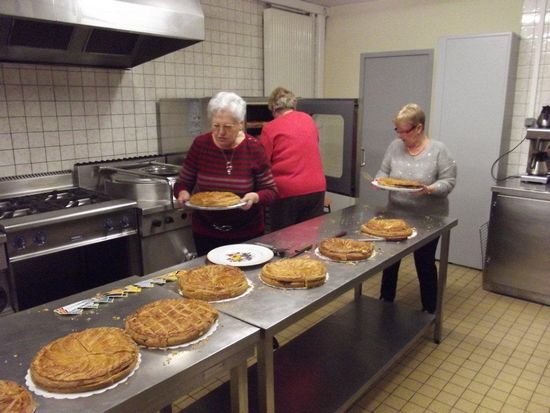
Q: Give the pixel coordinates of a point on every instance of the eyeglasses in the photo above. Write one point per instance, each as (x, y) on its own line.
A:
(225, 128)
(405, 131)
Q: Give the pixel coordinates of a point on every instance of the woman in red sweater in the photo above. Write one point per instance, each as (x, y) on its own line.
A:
(227, 159)
(291, 143)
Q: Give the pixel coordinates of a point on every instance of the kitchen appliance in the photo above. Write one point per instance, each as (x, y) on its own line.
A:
(164, 225)
(62, 239)
(181, 120)
(106, 33)
(517, 259)
(537, 160)
(543, 121)
(5, 305)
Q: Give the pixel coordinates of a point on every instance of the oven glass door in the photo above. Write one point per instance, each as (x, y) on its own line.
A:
(45, 278)
(336, 120)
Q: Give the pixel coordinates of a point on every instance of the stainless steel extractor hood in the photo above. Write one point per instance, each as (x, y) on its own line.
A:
(105, 33)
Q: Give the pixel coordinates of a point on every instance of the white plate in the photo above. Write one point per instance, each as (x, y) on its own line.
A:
(240, 255)
(203, 208)
(395, 188)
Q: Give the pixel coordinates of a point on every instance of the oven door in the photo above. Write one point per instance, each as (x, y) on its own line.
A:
(45, 278)
(5, 296)
(336, 120)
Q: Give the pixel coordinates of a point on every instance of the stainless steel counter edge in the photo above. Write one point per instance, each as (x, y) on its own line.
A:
(514, 187)
(52, 217)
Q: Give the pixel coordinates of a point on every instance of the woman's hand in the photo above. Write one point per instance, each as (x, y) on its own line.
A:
(183, 196)
(427, 189)
(250, 198)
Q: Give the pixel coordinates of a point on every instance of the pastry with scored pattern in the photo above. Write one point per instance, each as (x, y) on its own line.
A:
(393, 229)
(345, 249)
(14, 398)
(86, 360)
(212, 282)
(294, 273)
(214, 199)
(170, 322)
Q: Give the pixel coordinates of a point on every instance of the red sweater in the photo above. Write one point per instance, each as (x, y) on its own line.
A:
(204, 169)
(291, 142)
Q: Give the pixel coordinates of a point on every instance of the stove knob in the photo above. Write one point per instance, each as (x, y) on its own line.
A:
(125, 221)
(39, 238)
(168, 220)
(156, 223)
(184, 216)
(19, 243)
(108, 225)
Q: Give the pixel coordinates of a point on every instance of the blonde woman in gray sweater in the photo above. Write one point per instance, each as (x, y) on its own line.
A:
(415, 156)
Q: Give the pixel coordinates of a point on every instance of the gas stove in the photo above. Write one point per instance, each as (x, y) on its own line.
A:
(62, 238)
(45, 212)
(24, 205)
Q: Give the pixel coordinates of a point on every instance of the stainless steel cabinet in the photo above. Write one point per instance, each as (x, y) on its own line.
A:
(518, 248)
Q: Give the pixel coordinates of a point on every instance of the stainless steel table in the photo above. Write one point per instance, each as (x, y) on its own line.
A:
(162, 377)
(376, 332)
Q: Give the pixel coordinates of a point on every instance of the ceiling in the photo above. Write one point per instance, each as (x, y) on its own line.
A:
(330, 3)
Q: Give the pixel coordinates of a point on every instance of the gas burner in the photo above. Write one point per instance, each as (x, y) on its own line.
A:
(49, 201)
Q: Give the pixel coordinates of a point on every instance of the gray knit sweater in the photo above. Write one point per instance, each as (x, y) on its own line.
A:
(434, 165)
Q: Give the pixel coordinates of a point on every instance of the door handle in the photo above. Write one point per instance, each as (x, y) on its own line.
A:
(363, 163)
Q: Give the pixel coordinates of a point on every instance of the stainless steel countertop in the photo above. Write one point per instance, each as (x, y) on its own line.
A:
(274, 309)
(515, 187)
(162, 377)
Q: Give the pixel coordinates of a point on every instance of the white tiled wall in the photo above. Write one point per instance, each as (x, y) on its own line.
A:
(54, 116)
(532, 13)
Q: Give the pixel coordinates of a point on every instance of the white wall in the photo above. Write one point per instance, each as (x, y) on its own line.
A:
(54, 116)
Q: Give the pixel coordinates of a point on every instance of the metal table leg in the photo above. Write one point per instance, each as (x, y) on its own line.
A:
(239, 388)
(442, 282)
(358, 291)
(266, 384)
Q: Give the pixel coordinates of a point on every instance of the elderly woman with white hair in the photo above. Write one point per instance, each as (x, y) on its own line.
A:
(227, 159)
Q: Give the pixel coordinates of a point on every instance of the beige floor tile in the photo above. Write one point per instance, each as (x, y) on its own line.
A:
(533, 407)
(465, 405)
(412, 408)
(440, 407)
(472, 396)
(421, 400)
(491, 403)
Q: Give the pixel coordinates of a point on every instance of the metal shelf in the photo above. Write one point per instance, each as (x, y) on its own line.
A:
(328, 367)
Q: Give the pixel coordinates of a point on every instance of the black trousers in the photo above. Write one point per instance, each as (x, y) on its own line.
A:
(424, 261)
(289, 211)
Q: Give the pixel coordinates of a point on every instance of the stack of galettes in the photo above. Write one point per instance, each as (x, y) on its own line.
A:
(294, 273)
(87, 360)
(392, 229)
(211, 199)
(14, 398)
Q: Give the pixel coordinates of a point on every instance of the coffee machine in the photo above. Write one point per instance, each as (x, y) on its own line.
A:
(538, 159)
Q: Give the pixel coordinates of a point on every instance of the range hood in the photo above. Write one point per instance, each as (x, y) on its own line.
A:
(104, 33)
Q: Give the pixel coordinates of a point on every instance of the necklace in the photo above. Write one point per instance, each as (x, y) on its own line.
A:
(228, 163)
(417, 149)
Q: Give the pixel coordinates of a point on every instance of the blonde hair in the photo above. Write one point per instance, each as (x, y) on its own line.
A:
(280, 99)
(411, 113)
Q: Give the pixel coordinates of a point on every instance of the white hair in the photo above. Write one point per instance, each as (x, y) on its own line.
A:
(227, 102)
